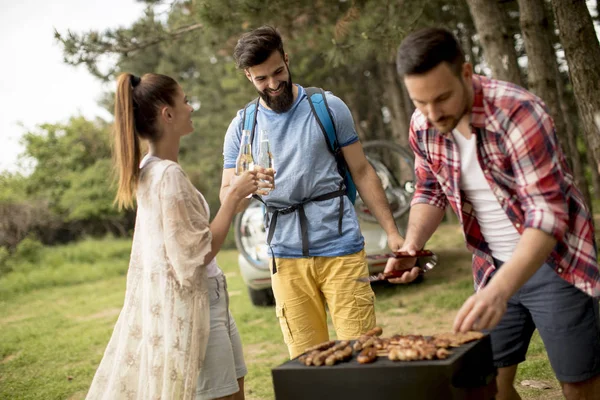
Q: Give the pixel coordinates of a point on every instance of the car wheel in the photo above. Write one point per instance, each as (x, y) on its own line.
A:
(262, 297)
(247, 234)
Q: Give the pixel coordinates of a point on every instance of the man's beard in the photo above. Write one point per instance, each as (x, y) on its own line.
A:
(451, 121)
(284, 101)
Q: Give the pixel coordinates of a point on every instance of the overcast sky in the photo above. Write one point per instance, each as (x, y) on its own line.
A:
(35, 85)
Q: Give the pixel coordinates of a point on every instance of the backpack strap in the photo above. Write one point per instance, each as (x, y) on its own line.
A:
(319, 107)
(249, 118)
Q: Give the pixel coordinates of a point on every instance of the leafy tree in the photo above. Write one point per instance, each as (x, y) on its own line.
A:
(12, 188)
(69, 192)
(59, 150)
(347, 47)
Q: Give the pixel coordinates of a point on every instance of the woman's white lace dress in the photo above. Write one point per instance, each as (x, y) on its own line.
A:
(159, 341)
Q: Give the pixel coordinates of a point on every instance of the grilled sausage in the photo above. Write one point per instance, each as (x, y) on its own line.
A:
(377, 331)
(321, 346)
(339, 355)
(366, 356)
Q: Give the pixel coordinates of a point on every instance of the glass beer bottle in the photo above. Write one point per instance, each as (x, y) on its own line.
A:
(265, 157)
(244, 161)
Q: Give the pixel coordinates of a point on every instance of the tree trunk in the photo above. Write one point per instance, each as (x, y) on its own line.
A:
(352, 102)
(498, 43)
(395, 102)
(578, 166)
(542, 72)
(468, 43)
(373, 88)
(541, 62)
(409, 106)
(595, 175)
(582, 51)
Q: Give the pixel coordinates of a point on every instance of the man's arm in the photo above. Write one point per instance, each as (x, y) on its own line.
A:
(423, 221)
(484, 309)
(371, 192)
(426, 213)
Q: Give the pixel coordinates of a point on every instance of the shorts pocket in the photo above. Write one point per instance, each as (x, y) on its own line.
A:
(365, 305)
(280, 311)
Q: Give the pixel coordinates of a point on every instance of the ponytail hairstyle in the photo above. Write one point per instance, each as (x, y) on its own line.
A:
(137, 104)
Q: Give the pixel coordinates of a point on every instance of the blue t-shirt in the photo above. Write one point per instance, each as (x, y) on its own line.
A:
(305, 169)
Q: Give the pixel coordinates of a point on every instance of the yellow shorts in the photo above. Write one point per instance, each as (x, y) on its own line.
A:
(304, 286)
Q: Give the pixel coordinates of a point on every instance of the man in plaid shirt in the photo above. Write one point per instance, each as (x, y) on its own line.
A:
(489, 149)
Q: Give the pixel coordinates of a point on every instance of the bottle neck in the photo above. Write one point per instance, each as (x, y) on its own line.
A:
(245, 137)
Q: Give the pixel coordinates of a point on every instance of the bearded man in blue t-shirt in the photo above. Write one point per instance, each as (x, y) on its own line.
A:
(317, 244)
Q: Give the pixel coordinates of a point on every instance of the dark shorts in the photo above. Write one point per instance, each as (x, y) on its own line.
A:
(566, 318)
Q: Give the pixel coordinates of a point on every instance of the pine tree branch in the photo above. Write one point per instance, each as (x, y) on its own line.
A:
(87, 48)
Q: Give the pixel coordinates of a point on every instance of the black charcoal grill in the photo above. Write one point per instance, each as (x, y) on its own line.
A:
(467, 374)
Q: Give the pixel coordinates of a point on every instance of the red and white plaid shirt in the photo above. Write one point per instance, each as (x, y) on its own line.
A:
(521, 159)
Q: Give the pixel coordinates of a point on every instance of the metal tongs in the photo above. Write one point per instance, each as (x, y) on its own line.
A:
(428, 266)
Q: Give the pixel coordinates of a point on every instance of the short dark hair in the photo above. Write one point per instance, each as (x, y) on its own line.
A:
(256, 46)
(425, 49)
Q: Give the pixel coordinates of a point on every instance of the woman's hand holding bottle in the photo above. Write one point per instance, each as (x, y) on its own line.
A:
(244, 185)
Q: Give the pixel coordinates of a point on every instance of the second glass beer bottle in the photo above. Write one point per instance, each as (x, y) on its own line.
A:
(265, 157)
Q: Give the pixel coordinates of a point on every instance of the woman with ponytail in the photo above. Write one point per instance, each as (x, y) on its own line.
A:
(174, 338)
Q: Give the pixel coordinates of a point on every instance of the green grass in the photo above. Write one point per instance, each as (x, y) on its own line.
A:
(58, 307)
(36, 267)
(52, 340)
